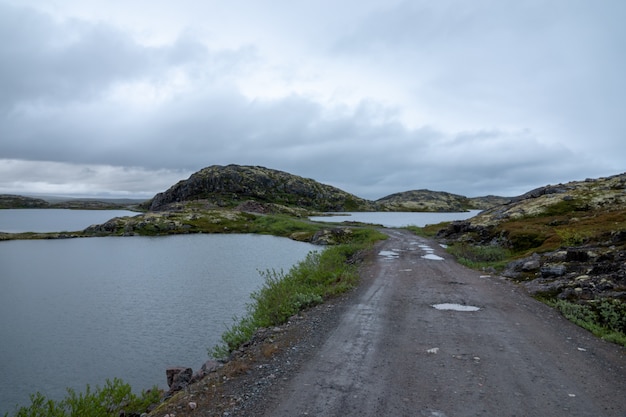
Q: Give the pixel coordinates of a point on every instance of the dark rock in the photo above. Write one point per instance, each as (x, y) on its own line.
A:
(331, 236)
(178, 378)
(553, 270)
(577, 255)
(207, 367)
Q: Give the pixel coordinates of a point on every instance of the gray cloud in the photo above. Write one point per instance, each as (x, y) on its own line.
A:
(468, 98)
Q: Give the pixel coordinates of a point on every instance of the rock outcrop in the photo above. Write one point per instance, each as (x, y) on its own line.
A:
(569, 239)
(229, 186)
(425, 200)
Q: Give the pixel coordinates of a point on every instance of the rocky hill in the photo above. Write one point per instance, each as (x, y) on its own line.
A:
(425, 200)
(9, 201)
(437, 201)
(489, 201)
(567, 241)
(232, 185)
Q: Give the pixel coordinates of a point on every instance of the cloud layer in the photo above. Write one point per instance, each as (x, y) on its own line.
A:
(373, 97)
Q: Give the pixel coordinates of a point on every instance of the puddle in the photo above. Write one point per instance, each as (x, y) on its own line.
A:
(389, 254)
(432, 256)
(455, 307)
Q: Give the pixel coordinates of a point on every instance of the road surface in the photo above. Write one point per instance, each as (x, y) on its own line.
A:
(394, 354)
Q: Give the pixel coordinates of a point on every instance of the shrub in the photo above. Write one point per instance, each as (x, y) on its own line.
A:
(319, 276)
(604, 318)
(112, 400)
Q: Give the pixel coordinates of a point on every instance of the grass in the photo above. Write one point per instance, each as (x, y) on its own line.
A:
(604, 318)
(429, 231)
(479, 257)
(115, 398)
(319, 276)
(560, 229)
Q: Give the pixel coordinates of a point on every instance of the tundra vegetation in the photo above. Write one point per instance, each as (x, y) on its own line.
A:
(566, 244)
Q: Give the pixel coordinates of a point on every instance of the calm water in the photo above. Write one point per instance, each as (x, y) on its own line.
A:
(397, 219)
(54, 220)
(78, 311)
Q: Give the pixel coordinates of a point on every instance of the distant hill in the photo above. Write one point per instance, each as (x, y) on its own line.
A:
(437, 201)
(232, 185)
(489, 201)
(9, 201)
(425, 200)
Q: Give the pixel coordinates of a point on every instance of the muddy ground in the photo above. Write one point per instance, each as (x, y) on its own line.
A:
(384, 349)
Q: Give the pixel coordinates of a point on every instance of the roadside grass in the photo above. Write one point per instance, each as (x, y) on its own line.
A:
(480, 257)
(605, 318)
(321, 275)
(114, 399)
(429, 231)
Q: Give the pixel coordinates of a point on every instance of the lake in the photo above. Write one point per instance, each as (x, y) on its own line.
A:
(54, 220)
(78, 311)
(395, 219)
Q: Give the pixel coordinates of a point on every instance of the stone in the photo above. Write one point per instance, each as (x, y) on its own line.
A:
(531, 265)
(206, 368)
(178, 377)
(553, 270)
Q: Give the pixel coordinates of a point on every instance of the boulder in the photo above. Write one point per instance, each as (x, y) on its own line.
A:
(178, 377)
(553, 270)
(207, 367)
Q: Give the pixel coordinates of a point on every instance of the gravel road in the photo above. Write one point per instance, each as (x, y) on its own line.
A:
(391, 353)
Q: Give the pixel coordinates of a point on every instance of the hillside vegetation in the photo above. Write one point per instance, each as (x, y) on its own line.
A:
(565, 243)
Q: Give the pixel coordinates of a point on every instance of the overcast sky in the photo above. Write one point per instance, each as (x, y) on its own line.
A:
(125, 98)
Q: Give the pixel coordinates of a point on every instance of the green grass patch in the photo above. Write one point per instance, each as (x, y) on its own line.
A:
(477, 256)
(429, 231)
(282, 225)
(604, 318)
(115, 398)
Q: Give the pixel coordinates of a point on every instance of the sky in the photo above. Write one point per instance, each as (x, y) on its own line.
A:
(124, 98)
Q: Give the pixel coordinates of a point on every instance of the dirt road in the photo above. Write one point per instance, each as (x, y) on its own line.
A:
(394, 354)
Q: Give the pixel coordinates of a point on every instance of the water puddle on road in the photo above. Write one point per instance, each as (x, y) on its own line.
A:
(455, 307)
(433, 257)
(426, 248)
(389, 254)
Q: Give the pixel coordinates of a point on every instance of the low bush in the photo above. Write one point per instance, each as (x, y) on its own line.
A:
(604, 318)
(112, 400)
